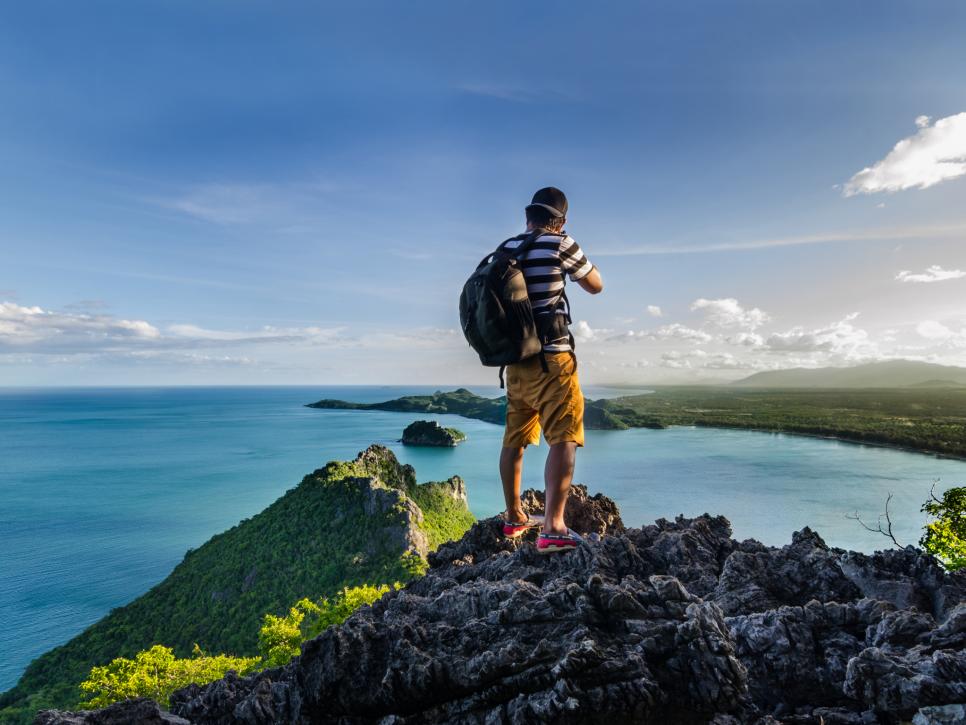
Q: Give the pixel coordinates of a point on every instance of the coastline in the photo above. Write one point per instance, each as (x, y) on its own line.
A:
(829, 437)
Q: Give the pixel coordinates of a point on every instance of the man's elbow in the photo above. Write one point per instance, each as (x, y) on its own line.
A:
(593, 283)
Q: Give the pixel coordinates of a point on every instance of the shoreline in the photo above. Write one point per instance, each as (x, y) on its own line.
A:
(819, 436)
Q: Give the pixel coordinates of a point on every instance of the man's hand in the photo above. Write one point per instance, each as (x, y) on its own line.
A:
(592, 282)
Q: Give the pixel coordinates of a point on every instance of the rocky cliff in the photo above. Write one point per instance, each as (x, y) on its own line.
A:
(348, 523)
(675, 622)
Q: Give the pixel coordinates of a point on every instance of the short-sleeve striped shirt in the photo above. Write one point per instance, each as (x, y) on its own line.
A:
(544, 265)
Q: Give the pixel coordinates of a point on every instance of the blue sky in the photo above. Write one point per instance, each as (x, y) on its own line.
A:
(242, 192)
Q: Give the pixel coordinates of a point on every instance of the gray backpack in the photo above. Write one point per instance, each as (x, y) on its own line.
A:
(495, 311)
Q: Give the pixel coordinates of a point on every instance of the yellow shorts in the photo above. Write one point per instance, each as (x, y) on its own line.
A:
(551, 399)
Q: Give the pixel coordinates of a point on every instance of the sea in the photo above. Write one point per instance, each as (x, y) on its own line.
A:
(103, 490)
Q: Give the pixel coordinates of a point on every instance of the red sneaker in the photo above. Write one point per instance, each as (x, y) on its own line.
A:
(512, 530)
(552, 543)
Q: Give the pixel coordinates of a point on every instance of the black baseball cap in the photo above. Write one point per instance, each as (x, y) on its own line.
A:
(552, 199)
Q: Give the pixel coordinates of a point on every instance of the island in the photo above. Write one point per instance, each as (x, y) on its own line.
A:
(431, 433)
(922, 419)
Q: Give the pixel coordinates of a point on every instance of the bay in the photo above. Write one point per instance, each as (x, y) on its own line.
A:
(103, 490)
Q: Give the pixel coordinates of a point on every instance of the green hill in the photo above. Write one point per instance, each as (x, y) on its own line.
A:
(887, 374)
(350, 523)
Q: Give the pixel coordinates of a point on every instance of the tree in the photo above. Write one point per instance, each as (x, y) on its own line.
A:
(156, 673)
(945, 538)
(280, 638)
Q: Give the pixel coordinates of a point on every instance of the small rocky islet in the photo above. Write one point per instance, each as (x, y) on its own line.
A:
(432, 434)
(673, 622)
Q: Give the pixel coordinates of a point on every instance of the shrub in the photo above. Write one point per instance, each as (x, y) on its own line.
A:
(156, 673)
(945, 538)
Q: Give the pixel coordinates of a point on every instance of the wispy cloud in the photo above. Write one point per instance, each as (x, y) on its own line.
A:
(936, 153)
(934, 273)
(34, 330)
(869, 235)
(287, 207)
(501, 91)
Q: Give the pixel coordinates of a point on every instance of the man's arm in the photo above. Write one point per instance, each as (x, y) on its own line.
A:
(592, 282)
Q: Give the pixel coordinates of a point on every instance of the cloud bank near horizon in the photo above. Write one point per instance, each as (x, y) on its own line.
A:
(725, 339)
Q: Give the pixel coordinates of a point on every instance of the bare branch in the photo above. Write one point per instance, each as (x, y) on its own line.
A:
(877, 529)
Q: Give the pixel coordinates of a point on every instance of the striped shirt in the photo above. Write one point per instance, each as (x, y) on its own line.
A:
(544, 265)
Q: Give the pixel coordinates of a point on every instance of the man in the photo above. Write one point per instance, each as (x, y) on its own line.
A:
(543, 391)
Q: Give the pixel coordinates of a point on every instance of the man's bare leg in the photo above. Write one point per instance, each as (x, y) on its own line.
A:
(557, 475)
(511, 465)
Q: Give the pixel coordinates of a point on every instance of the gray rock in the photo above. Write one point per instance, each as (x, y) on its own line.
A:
(142, 711)
(941, 715)
(671, 623)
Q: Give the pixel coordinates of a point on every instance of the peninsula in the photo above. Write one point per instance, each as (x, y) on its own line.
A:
(924, 419)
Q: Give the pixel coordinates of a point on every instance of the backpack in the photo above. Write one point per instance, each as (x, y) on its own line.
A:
(495, 312)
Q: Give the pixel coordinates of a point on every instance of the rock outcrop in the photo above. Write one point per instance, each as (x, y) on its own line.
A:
(431, 433)
(674, 622)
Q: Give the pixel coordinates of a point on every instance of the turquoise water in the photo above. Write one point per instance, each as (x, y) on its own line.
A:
(102, 491)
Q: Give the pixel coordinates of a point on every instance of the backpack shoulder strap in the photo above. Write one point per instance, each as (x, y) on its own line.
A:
(528, 240)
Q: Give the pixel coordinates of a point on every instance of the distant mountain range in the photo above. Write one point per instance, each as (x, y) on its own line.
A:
(888, 374)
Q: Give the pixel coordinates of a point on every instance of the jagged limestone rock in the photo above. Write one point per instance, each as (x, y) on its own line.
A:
(675, 622)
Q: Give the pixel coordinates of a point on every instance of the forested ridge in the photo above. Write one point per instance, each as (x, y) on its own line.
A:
(347, 524)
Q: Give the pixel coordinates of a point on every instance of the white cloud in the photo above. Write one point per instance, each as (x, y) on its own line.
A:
(33, 327)
(673, 331)
(934, 154)
(702, 360)
(583, 332)
(934, 273)
(842, 340)
(654, 311)
(746, 339)
(941, 335)
(727, 312)
(678, 331)
(933, 330)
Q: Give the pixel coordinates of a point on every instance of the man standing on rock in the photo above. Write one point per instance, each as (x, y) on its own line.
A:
(547, 395)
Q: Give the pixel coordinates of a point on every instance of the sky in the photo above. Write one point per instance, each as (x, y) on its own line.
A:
(197, 193)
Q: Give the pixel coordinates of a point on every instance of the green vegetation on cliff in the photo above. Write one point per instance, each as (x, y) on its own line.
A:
(926, 419)
(347, 524)
(156, 673)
